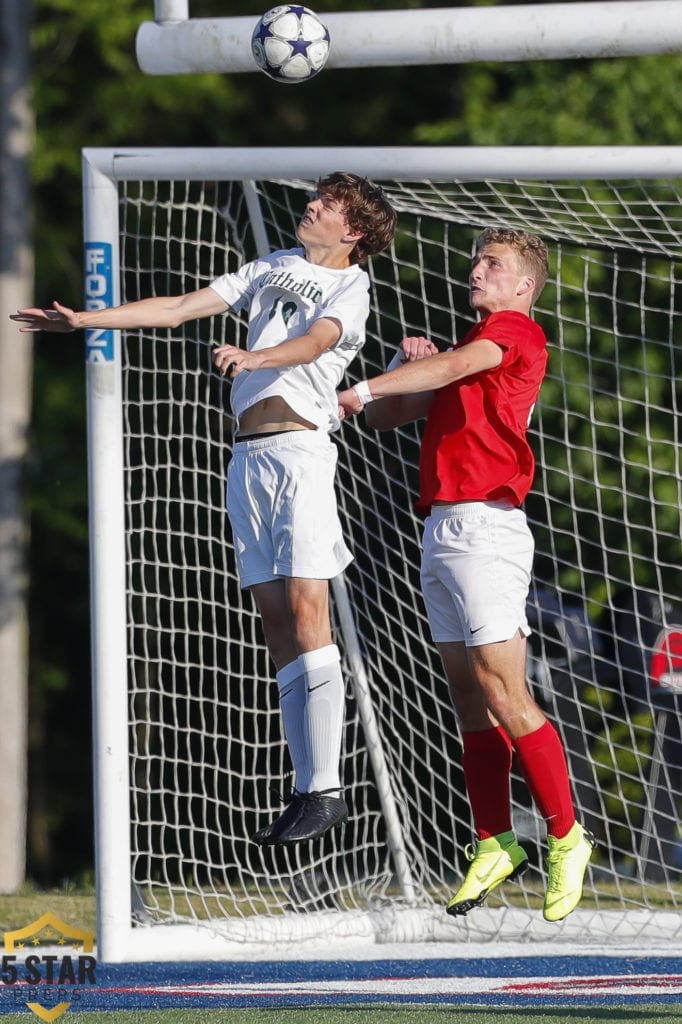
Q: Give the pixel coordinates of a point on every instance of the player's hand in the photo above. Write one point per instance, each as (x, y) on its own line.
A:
(58, 320)
(414, 348)
(349, 403)
(231, 361)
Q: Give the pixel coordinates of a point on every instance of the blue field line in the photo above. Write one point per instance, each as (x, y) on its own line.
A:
(518, 981)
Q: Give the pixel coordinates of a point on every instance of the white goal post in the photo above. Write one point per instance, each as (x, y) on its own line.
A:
(175, 43)
(188, 744)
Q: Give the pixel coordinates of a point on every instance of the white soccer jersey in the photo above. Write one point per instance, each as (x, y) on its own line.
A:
(285, 294)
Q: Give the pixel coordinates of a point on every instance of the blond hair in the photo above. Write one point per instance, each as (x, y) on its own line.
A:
(531, 251)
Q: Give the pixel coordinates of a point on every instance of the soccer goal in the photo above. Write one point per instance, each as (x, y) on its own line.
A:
(189, 750)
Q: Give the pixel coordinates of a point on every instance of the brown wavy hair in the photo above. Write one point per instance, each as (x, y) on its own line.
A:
(367, 209)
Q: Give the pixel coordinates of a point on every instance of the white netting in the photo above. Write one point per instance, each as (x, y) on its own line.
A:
(205, 734)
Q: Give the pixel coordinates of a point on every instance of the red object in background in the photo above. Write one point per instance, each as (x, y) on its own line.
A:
(666, 659)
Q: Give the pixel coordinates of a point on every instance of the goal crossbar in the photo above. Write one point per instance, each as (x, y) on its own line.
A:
(614, 28)
(550, 163)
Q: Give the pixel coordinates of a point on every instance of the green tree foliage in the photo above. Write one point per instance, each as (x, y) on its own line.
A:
(88, 91)
(626, 101)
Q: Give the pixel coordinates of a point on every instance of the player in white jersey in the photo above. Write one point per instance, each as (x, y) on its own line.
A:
(307, 310)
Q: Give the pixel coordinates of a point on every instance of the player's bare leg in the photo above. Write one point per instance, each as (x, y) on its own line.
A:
(488, 686)
(295, 617)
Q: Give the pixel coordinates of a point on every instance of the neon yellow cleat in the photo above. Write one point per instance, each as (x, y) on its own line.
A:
(566, 865)
(493, 861)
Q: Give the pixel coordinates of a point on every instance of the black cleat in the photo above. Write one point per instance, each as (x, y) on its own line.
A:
(269, 834)
(318, 813)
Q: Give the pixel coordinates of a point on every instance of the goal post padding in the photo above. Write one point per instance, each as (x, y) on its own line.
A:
(189, 748)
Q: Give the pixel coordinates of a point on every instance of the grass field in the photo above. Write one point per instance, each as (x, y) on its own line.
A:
(76, 905)
(409, 1014)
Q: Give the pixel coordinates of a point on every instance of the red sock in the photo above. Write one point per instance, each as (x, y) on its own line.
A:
(486, 761)
(542, 762)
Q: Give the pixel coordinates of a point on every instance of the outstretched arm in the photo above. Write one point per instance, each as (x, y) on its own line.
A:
(159, 311)
(395, 410)
(418, 380)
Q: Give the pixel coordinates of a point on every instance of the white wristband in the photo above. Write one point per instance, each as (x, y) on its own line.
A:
(361, 389)
(398, 360)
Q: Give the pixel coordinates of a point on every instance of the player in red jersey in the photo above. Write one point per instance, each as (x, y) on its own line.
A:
(476, 468)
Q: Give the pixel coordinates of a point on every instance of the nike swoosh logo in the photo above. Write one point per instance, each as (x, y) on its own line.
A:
(311, 688)
(477, 630)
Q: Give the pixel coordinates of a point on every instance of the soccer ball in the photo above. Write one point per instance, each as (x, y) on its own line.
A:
(290, 44)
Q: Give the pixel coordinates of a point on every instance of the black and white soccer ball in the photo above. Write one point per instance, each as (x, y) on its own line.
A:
(290, 43)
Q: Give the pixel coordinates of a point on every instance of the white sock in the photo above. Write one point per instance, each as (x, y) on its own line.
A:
(324, 715)
(292, 699)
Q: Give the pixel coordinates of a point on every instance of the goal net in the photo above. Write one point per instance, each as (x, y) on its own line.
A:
(190, 755)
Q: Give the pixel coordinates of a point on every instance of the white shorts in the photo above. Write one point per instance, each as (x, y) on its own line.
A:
(282, 507)
(475, 574)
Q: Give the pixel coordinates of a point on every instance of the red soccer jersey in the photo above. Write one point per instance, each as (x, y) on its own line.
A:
(474, 446)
